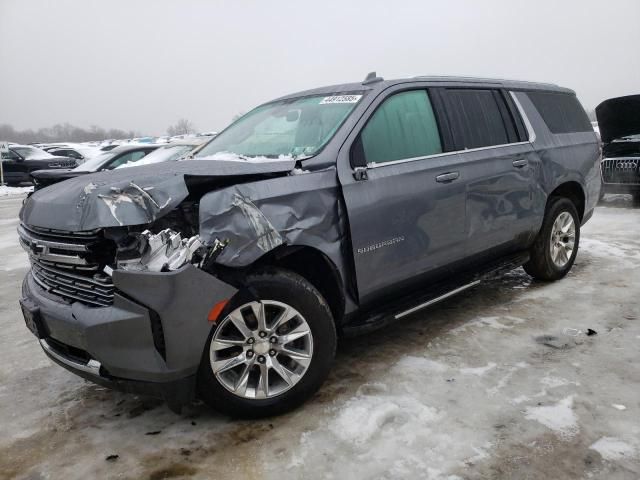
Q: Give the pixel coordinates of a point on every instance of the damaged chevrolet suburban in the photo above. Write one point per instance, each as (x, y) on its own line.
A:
(229, 277)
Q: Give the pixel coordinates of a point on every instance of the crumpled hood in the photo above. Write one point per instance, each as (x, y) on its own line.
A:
(129, 196)
(619, 117)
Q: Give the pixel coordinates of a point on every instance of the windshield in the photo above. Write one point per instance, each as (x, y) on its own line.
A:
(95, 163)
(293, 128)
(164, 154)
(29, 153)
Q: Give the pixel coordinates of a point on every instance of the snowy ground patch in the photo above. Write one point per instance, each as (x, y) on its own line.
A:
(6, 190)
(611, 448)
(559, 417)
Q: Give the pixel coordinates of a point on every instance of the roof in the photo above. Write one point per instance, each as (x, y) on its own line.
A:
(436, 80)
(135, 146)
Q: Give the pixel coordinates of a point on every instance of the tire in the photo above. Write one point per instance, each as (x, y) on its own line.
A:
(276, 290)
(541, 264)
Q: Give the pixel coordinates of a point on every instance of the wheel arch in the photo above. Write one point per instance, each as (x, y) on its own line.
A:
(313, 265)
(574, 192)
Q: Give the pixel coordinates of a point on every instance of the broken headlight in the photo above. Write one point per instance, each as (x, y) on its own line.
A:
(164, 251)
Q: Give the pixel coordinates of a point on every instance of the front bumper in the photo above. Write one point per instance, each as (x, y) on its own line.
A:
(149, 341)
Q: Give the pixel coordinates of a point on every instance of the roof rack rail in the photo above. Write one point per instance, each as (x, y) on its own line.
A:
(372, 78)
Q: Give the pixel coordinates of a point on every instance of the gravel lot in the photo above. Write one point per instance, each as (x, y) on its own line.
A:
(500, 382)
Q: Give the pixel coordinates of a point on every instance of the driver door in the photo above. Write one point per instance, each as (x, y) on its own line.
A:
(406, 201)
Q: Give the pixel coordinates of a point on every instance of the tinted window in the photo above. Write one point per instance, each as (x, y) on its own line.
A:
(404, 126)
(478, 118)
(126, 158)
(561, 112)
(10, 155)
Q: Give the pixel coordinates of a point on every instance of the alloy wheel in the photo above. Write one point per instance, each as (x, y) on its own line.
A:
(563, 236)
(261, 349)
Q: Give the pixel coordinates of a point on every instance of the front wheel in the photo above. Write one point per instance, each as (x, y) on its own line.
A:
(271, 348)
(556, 246)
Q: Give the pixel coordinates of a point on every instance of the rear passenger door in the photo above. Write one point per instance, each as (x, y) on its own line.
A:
(405, 198)
(492, 141)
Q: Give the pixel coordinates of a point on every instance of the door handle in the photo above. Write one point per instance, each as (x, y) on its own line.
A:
(447, 177)
(522, 162)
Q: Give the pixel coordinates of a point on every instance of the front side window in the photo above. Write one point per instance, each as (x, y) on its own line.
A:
(164, 154)
(126, 158)
(293, 128)
(478, 118)
(96, 162)
(404, 126)
(29, 153)
(10, 155)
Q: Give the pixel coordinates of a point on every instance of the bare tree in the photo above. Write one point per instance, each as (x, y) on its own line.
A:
(63, 132)
(182, 127)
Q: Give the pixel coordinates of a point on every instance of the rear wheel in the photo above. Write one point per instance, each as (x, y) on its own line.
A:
(271, 349)
(556, 246)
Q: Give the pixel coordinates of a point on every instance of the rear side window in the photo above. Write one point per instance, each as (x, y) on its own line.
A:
(404, 126)
(478, 118)
(561, 112)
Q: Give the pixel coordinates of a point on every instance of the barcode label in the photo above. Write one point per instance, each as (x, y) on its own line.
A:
(340, 99)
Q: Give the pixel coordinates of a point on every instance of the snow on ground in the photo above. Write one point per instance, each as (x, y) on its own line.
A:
(559, 417)
(613, 448)
(6, 190)
(499, 382)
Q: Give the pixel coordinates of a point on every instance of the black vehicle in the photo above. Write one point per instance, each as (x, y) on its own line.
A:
(619, 122)
(81, 153)
(21, 160)
(105, 161)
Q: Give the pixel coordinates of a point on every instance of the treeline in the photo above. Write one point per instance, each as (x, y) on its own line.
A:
(63, 132)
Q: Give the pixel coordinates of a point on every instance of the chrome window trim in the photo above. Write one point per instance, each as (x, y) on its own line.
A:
(530, 131)
(443, 154)
(527, 124)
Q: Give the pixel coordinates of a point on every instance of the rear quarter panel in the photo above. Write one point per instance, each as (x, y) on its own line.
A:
(566, 157)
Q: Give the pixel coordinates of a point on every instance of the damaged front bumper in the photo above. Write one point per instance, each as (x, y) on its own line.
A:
(151, 339)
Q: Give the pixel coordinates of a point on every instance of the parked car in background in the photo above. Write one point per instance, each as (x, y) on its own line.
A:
(80, 153)
(169, 152)
(21, 160)
(105, 161)
(328, 212)
(619, 123)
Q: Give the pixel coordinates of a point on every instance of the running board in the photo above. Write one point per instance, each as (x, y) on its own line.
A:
(398, 316)
(408, 304)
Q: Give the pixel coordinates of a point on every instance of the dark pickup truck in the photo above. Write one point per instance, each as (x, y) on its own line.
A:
(21, 160)
(321, 214)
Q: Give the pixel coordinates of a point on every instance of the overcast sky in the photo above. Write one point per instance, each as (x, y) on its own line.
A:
(142, 65)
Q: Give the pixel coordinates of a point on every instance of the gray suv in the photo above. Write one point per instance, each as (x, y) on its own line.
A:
(321, 214)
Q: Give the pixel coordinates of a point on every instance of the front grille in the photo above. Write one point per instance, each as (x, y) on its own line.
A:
(70, 264)
(621, 170)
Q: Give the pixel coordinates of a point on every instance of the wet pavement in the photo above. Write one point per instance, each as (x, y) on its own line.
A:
(503, 381)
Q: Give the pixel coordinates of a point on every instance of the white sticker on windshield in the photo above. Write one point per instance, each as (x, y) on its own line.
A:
(341, 99)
